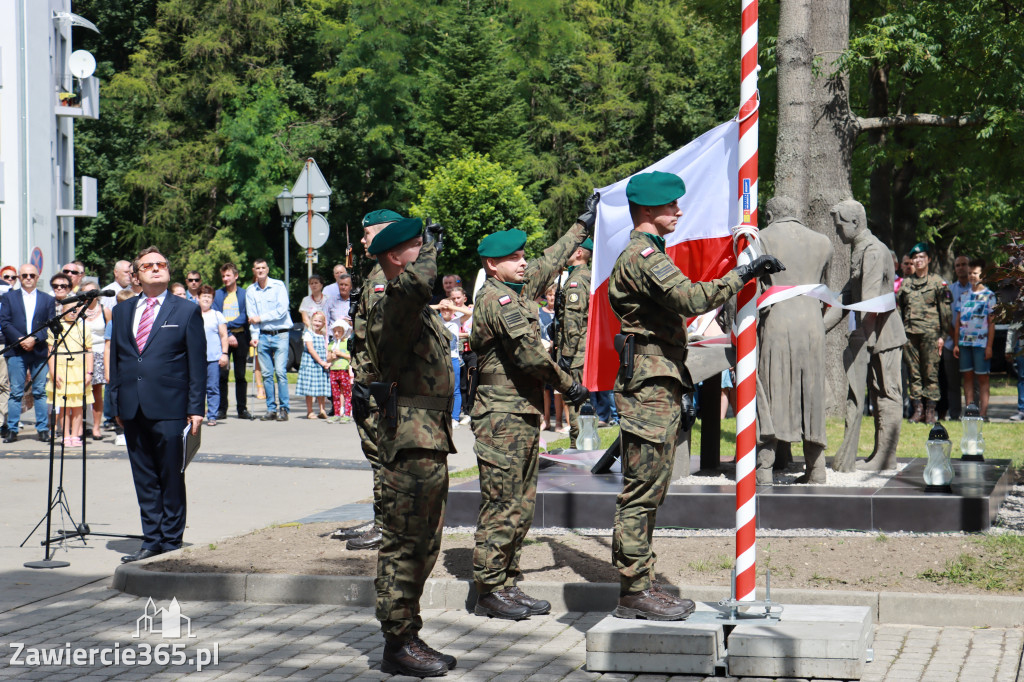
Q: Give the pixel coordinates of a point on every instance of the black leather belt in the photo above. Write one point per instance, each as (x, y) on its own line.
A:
(273, 332)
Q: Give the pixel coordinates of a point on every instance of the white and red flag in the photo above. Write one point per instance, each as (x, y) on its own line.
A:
(701, 245)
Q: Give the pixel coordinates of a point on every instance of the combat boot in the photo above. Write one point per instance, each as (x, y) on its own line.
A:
(659, 589)
(918, 413)
(449, 660)
(930, 417)
(409, 658)
(498, 604)
(652, 605)
(371, 539)
(537, 607)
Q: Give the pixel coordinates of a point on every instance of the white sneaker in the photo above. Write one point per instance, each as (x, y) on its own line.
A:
(455, 423)
(1019, 417)
(465, 419)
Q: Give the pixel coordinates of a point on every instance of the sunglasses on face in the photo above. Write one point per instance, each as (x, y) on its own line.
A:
(72, 272)
(190, 279)
(158, 265)
(61, 286)
(29, 276)
(10, 277)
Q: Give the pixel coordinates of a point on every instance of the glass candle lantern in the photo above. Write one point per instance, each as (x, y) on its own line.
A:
(938, 473)
(972, 445)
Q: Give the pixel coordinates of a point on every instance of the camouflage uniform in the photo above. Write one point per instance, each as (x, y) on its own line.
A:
(924, 304)
(652, 299)
(408, 345)
(513, 368)
(572, 331)
(364, 373)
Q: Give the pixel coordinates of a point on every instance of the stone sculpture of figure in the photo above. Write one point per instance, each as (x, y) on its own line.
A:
(791, 349)
(874, 351)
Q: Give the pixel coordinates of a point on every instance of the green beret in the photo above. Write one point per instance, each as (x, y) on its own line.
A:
(655, 189)
(587, 244)
(396, 233)
(381, 216)
(501, 244)
(919, 247)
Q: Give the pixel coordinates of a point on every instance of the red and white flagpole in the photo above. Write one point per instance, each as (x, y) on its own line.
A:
(745, 330)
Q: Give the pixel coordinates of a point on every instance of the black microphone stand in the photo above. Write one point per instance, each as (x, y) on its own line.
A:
(58, 499)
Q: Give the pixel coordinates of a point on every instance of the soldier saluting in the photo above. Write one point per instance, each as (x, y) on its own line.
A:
(652, 299)
(364, 373)
(408, 346)
(512, 370)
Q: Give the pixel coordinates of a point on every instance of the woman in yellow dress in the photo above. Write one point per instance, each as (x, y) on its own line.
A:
(66, 373)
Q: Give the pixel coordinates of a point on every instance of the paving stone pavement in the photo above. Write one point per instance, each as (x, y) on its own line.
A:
(309, 642)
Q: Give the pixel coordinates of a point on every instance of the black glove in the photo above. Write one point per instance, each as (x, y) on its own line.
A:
(435, 233)
(564, 363)
(577, 394)
(360, 402)
(589, 215)
(761, 266)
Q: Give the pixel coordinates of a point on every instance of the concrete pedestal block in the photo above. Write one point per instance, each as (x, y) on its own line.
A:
(643, 646)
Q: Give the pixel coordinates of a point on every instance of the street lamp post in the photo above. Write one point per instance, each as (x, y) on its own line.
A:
(284, 205)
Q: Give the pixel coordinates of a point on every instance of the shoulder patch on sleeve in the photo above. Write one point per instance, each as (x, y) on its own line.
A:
(574, 297)
(647, 252)
(664, 270)
(573, 285)
(378, 288)
(505, 300)
(515, 322)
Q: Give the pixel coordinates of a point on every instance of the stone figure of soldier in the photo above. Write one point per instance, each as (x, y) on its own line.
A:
(875, 346)
(924, 304)
(652, 300)
(572, 323)
(409, 348)
(791, 346)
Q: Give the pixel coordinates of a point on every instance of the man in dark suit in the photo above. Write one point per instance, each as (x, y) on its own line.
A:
(158, 381)
(21, 311)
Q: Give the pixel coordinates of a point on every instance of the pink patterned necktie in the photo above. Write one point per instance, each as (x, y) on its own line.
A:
(145, 324)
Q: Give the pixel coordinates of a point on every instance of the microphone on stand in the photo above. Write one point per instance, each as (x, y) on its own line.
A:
(87, 296)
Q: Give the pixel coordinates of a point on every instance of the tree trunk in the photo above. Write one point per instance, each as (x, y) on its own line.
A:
(828, 166)
(795, 62)
(881, 188)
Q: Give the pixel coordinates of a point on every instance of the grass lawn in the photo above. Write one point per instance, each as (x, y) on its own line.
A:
(1002, 440)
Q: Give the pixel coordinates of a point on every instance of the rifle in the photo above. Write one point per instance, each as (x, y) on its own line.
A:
(357, 289)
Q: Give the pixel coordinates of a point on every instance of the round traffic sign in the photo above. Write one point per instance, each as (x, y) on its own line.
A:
(321, 230)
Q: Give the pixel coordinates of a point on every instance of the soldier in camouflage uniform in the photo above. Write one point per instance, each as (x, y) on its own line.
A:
(513, 367)
(572, 323)
(364, 373)
(924, 304)
(652, 300)
(408, 345)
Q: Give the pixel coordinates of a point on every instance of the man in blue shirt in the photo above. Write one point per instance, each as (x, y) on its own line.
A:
(230, 300)
(266, 304)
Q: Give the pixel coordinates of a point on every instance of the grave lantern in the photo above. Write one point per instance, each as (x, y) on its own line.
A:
(972, 445)
(938, 472)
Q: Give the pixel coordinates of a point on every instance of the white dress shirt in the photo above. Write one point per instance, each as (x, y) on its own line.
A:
(29, 301)
(140, 307)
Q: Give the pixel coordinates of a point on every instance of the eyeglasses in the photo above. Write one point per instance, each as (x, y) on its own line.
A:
(158, 265)
(193, 279)
(28, 276)
(61, 286)
(72, 272)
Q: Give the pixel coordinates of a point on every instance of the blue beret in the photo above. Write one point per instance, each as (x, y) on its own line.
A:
(396, 233)
(919, 247)
(654, 189)
(501, 244)
(381, 216)
(587, 244)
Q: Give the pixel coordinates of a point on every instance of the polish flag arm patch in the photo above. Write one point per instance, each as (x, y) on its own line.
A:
(505, 300)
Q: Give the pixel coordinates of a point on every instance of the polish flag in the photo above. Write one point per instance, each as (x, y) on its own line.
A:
(701, 245)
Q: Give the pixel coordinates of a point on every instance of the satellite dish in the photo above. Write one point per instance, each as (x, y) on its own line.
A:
(81, 64)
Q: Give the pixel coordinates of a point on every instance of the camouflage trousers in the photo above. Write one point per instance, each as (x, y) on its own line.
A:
(922, 357)
(413, 496)
(572, 410)
(507, 448)
(646, 475)
(368, 440)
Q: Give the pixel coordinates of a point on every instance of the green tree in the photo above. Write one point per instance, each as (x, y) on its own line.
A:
(472, 197)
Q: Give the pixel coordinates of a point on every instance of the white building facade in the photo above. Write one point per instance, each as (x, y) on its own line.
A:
(40, 98)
